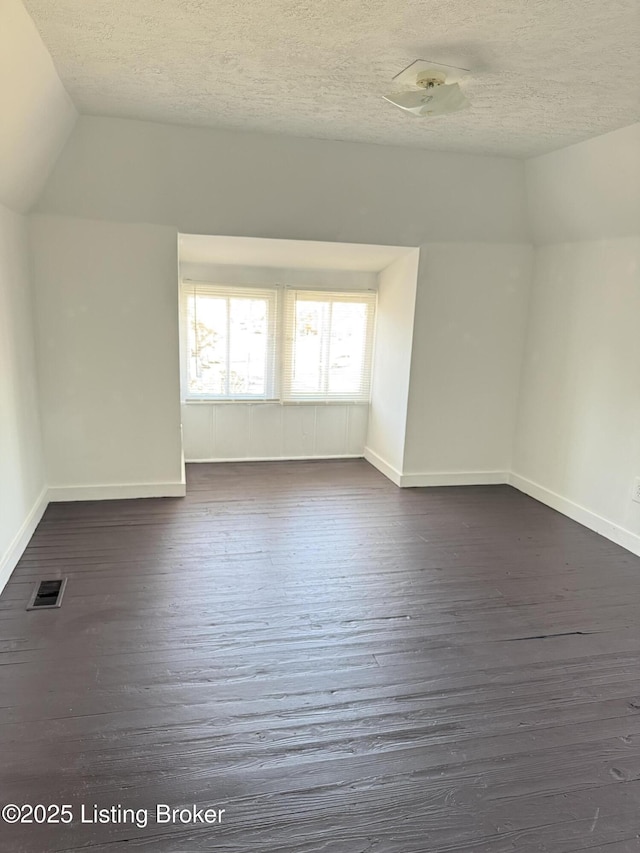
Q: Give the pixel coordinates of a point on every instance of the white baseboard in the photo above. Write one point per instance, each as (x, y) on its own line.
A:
(9, 560)
(117, 492)
(274, 458)
(454, 478)
(383, 466)
(435, 478)
(608, 529)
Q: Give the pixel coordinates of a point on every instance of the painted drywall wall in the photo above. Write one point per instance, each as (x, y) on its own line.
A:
(468, 344)
(589, 191)
(249, 275)
(390, 385)
(36, 117)
(107, 330)
(208, 181)
(577, 442)
(579, 423)
(203, 181)
(36, 114)
(22, 475)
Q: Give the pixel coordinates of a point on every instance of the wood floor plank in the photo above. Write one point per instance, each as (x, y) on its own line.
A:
(343, 666)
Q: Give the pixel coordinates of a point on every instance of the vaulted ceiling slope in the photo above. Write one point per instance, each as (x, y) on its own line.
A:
(36, 113)
(545, 73)
(587, 192)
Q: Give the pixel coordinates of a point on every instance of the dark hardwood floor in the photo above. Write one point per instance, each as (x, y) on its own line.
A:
(341, 665)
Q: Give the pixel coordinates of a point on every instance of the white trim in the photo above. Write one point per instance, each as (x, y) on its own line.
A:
(288, 341)
(243, 401)
(454, 478)
(609, 529)
(194, 289)
(383, 466)
(274, 458)
(20, 541)
(435, 478)
(117, 492)
(183, 463)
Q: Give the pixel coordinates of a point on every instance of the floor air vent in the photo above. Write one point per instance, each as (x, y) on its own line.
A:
(47, 594)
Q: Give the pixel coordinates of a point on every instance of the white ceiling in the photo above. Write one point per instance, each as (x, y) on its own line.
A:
(546, 73)
(284, 254)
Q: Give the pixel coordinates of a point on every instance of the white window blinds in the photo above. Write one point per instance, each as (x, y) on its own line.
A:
(229, 342)
(294, 345)
(327, 345)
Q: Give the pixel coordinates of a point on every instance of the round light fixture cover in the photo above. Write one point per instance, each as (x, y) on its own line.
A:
(438, 100)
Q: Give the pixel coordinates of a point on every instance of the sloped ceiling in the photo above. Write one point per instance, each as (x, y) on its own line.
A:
(36, 113)
(545, 73)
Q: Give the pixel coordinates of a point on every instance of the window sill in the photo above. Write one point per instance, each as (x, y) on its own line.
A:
(205, 402)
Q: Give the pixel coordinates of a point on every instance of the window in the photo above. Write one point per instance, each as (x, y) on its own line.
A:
(243, 343)
(230, 342)
(328, 346)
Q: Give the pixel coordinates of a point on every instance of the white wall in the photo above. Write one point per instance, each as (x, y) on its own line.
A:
(589, 191)
(390, 385)
(22, 476)
(578, 438)
(468, 343)
(272, 276)
(36, 114)
(107, 330)
(207, 181)
(203, 181)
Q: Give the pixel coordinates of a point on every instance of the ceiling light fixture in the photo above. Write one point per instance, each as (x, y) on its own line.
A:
(428, 92)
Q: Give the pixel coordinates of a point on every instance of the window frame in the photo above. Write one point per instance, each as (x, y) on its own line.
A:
(271, 294)
(367, 298)
(279, 343)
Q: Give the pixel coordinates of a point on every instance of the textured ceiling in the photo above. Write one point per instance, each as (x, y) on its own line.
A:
(545, 73)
